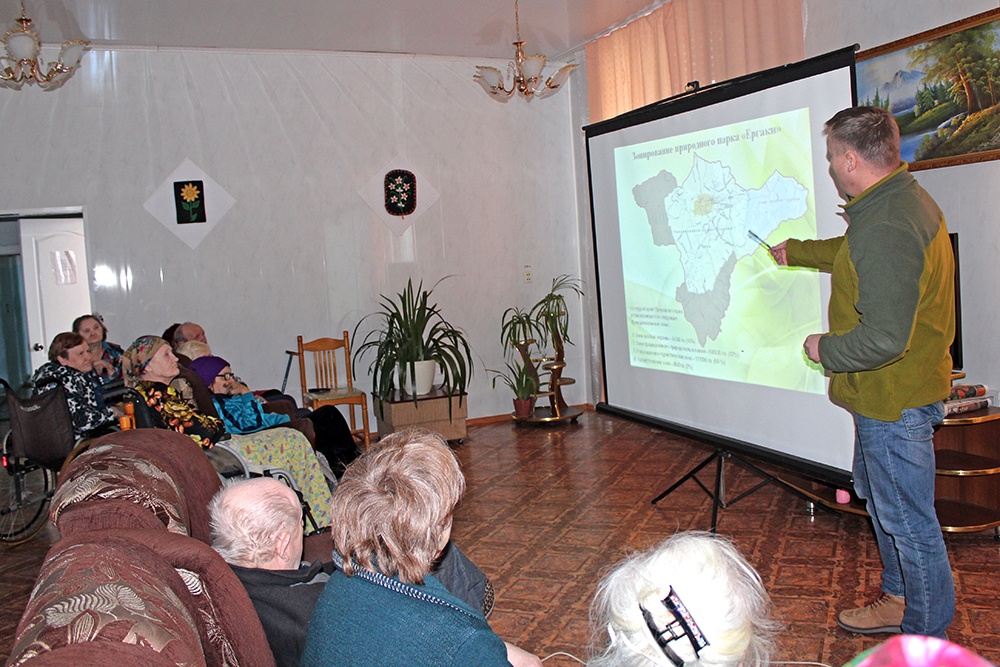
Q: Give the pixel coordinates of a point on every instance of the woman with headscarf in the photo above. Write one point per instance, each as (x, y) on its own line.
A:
(149, 365)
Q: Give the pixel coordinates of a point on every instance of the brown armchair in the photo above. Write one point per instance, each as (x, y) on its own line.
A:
(119, 597)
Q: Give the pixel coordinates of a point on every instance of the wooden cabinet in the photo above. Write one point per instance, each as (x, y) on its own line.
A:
(967, 488)
(430, 412)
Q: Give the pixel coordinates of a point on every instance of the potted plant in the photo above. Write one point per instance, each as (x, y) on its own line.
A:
(411, 330)
(523, 381)
(551, 314)
(526, 333)
(518, 332)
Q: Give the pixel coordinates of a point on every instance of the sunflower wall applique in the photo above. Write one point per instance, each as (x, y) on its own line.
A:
(189, 200)
(189, 203)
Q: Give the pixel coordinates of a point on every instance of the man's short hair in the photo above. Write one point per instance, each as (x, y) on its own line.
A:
(244, 526)
(723, 594)
(168, 333)
(62, 343)
(180, 334)
(870, 131)
(394, 503)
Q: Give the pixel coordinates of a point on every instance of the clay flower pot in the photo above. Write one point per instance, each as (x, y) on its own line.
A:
(524, 407)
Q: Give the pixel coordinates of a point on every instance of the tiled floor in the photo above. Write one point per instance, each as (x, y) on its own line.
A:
(548, 508)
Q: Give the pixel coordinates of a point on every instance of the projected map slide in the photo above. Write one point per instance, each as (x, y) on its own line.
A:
(702, 296)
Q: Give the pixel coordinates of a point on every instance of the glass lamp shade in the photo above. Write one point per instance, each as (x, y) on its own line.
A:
(72, 52)
(559, 78)
(22, 44)
(489, 77)
(532, 66)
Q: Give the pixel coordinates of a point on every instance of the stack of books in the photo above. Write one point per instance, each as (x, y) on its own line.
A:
(968, 397)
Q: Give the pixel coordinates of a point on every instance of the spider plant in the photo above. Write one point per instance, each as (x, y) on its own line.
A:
(411, 328)
(522, 380)
(551, 313)
(518, 329)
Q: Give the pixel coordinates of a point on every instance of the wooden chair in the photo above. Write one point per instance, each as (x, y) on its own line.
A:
(331, 387)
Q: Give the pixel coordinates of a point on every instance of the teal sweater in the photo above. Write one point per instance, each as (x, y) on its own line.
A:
(374, 620)
(892, 302)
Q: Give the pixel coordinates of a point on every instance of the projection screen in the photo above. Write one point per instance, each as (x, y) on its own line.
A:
(702, 333)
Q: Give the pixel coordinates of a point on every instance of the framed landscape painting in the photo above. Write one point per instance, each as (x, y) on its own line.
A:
(943, 88)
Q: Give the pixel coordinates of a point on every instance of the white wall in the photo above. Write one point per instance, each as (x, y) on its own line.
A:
(969, 195)
(293, 137)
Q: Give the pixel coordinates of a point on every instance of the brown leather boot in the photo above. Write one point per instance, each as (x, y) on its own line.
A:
(882, 613)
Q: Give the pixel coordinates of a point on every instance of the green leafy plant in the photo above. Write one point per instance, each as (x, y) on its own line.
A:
(411, 328)
(522, 380)
(518, 328)
(551, 313)
(524, 333)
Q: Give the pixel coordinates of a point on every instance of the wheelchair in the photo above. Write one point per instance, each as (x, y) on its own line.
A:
(39, 444)
(40, 425)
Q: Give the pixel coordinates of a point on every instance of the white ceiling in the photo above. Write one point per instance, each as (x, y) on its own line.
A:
(473, 28)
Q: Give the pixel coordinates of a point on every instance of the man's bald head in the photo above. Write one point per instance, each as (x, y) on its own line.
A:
(187, 332)
(257, 523)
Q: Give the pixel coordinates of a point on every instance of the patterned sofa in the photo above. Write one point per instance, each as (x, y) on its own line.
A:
(133, 579)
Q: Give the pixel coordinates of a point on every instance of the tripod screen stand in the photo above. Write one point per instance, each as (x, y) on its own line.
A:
(718, 494)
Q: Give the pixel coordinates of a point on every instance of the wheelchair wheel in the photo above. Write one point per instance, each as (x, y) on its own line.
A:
(25, 491)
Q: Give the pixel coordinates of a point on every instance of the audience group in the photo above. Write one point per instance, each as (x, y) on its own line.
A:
(211, 406)
(396, 590)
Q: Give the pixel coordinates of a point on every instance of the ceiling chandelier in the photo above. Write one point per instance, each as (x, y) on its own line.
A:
(525, 72)
(21, 63)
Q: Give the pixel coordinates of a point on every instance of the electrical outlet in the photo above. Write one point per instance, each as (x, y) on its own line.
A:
(527, 273)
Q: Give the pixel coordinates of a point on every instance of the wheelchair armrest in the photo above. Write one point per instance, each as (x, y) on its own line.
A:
(123, 394)
(115, 391)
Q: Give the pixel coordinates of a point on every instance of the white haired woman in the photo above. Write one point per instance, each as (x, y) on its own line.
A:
(691, 601)
(392, 516)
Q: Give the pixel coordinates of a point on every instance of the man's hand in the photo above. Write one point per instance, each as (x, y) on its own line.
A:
(779, 254)
(811, 346)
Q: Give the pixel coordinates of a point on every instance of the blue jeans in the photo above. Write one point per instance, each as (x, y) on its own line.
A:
(894, 474)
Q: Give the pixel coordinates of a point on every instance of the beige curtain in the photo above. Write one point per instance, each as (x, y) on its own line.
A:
(655, 56)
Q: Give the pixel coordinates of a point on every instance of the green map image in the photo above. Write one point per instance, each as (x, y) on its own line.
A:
(703, 296)
(708, 217)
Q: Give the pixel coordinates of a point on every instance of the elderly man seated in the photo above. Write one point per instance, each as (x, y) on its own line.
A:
(189, 331)
(257, 529)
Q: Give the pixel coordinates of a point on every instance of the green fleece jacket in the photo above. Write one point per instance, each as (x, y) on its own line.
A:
(892, 302)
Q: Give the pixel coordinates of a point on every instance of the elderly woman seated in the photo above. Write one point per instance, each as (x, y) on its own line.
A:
(382, 606)
(71, 364)
(691, 601)
(149, 365)
(107, 356)
(243, 412)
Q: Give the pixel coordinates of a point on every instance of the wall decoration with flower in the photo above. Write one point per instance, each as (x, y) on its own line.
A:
(189, 203)
(391, 193)
(189, 200)
(400, 187)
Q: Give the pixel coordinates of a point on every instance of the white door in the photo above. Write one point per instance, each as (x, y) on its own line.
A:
(56, 279)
